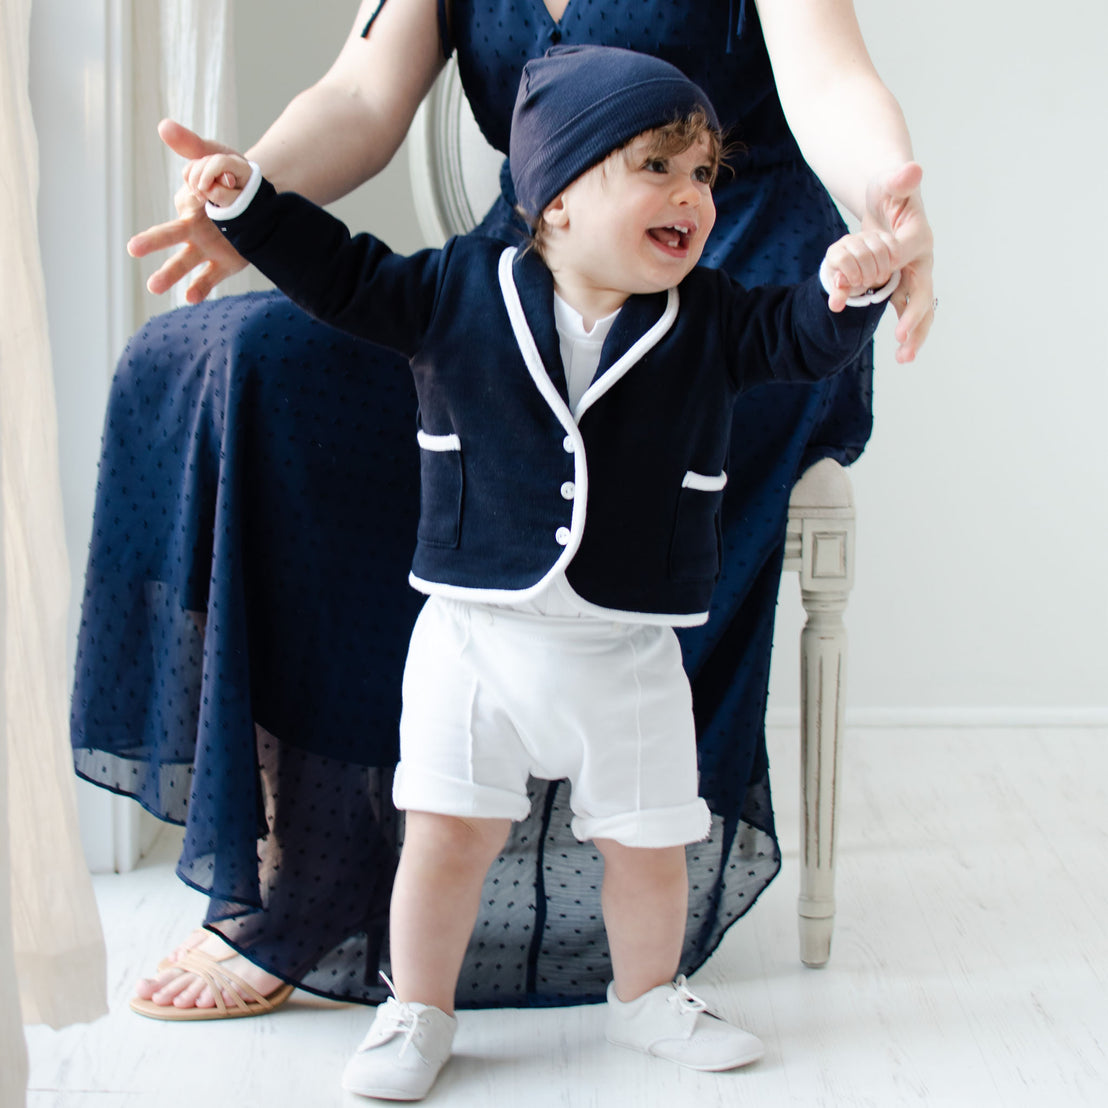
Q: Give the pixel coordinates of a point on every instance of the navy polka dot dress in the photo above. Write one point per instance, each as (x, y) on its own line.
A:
(246, 611)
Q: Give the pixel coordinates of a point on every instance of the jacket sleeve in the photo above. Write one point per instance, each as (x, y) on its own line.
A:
(355, 283)
(790, 334)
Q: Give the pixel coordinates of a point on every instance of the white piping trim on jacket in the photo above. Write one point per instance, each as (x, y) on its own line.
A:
(533, 360)
(509, 596)
(703, 482)
(637, 351)
(242, 201)
(438, 443)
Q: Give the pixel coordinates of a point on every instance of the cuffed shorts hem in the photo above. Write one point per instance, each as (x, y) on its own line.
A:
(423, 791)
(651, 827)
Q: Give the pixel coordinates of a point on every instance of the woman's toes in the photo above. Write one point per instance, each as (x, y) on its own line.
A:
(170, 987)
(146, 987)
(179, 988)
(194, 988)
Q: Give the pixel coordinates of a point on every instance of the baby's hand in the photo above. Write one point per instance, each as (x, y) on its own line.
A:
(857, 264)
(218, 178)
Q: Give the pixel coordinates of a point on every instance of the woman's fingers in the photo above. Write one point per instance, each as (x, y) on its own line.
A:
(208, 276)
(894, 204)
(188, 144)
(915, 307)
(200, 246)
(160, 237)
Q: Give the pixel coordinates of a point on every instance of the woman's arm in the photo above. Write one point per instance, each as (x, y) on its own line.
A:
(346, 127)
(848, 124)
(852, 133)
(331, 138)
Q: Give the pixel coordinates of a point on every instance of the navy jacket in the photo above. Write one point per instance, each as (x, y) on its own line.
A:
(623, 493)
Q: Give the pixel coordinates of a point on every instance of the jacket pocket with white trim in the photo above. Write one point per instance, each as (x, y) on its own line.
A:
(696, 549)
(440, 489)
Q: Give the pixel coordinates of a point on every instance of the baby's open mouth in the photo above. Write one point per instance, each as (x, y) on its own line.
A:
(675, 235)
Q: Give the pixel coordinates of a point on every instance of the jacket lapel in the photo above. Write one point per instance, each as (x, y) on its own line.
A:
(636, 317)
(641, 324)
(535, 287)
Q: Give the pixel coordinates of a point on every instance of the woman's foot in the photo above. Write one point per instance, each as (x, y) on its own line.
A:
(178, 988)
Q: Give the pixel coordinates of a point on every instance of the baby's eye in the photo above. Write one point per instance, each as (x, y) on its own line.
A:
(704, 175)
(656, 165)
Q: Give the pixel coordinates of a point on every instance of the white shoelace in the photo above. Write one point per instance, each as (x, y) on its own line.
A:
(395, 1018)
(685, 1000)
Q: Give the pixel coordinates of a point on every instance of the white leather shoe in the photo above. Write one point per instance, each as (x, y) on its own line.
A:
(673, 1022)
(403, 1052)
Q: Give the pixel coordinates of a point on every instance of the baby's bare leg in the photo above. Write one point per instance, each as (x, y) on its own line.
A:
(435, 900)
(645, 900)
(650, 1009)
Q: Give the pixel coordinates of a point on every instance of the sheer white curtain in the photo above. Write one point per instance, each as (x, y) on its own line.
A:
(182, 70)
(51, 948)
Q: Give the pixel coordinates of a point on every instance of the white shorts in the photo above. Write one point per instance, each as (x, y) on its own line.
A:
(492, 696)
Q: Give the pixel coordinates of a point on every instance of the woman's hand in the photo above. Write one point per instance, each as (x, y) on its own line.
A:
(894, 206)
(201, 244)
(332, 137)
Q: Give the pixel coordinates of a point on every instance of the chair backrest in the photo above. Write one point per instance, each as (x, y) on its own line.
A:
(455, 173)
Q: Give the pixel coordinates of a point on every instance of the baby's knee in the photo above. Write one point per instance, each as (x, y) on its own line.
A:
(647, 863)
(459, 839)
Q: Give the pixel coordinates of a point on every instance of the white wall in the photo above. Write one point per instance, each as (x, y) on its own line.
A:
(983, 498)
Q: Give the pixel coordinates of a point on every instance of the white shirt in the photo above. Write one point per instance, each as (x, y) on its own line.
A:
(580, 351)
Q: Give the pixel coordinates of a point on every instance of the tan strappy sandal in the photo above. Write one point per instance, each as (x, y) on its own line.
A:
(246, 1000)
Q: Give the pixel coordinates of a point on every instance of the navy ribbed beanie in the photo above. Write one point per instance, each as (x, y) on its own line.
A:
(576, 104)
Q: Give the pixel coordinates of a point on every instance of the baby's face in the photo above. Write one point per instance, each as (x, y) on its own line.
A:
(637, 222)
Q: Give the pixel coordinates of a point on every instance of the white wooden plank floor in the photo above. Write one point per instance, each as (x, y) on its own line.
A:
(969, 965)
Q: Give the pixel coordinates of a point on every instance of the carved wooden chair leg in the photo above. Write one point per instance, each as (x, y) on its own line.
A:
(821, 548)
